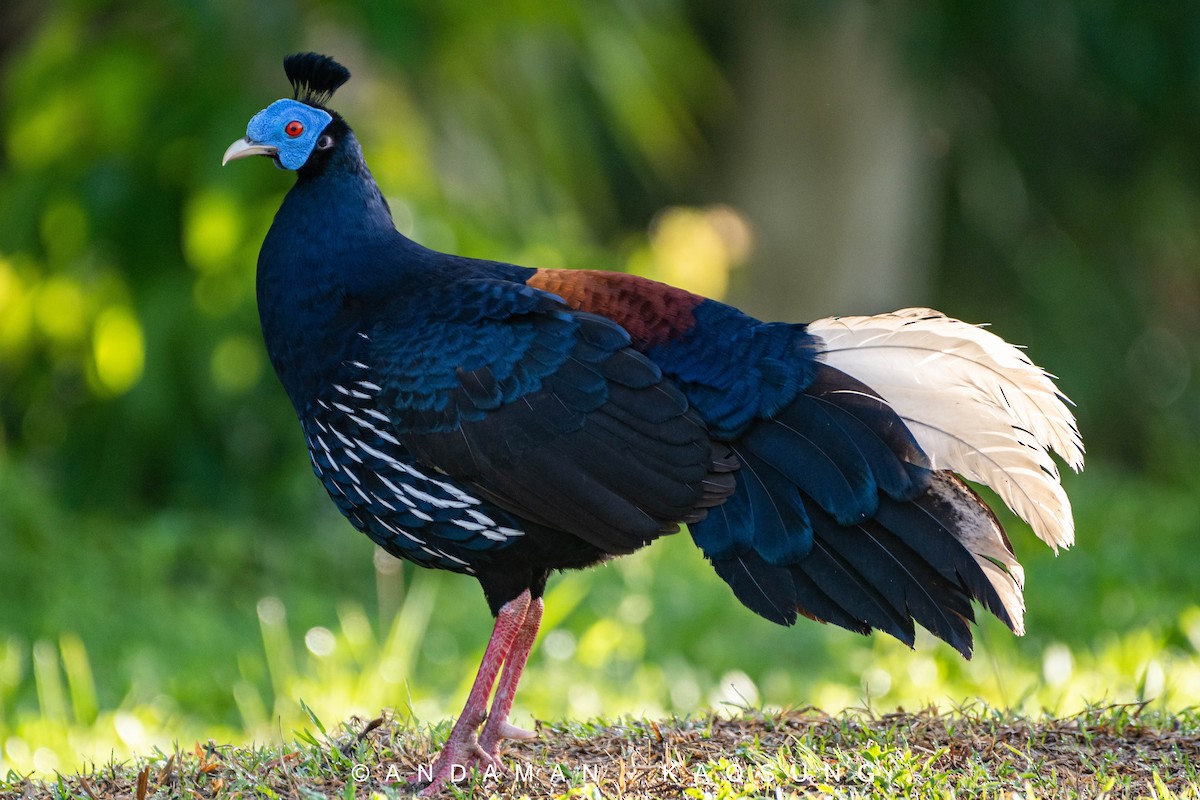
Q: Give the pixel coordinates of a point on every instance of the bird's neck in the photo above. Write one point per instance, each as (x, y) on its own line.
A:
(332, 243)
(336, 210)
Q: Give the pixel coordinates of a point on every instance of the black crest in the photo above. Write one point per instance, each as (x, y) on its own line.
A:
(314, 77)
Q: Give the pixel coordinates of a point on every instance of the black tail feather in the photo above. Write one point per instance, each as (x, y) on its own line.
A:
(837, 516)
(778, 524)
(900, 467)
(816, 604)
(934, 525)
(850, 589)
(910, 583)
(810, 450)
(905, 566)
(765, 589)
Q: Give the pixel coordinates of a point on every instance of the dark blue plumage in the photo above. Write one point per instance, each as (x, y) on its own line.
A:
(507, 422)
(442, 396)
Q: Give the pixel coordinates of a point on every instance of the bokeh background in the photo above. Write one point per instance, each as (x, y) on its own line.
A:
(170, 570)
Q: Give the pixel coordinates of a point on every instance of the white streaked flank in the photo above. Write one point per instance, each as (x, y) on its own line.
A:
(383, 479)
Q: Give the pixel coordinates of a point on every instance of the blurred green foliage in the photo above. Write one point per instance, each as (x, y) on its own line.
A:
(1072, 203)
(169, 568)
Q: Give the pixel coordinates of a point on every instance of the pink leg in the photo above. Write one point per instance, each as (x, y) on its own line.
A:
(462, 748)
(497, 727)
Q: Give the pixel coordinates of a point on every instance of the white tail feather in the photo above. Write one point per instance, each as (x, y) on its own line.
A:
(975, 403)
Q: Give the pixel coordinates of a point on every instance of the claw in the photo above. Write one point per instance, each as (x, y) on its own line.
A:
(510, 731)
(455, 764)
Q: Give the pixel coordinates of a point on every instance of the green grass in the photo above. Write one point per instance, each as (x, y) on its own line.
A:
(1112, 751)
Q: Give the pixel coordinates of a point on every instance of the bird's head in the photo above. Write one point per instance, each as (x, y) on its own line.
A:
(292, 130)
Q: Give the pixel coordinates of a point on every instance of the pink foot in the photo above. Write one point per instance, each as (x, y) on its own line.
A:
(454, 764)
(508, 648)
(458, 758)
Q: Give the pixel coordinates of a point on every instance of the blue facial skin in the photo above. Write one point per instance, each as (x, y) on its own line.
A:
(269, 127)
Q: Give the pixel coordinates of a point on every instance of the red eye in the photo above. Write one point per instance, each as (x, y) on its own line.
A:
(294, 128)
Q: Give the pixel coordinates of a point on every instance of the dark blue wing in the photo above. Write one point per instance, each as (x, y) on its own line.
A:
(545, 412)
